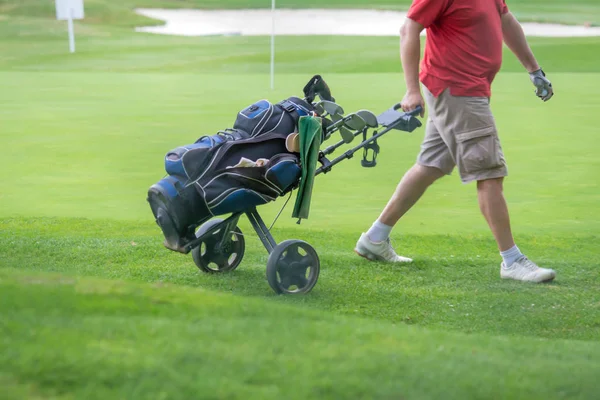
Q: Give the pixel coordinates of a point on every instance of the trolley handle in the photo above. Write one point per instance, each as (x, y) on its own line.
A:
(412, 113)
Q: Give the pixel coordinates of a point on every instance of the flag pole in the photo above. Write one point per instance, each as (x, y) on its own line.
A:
(71, 30)
(272, 44)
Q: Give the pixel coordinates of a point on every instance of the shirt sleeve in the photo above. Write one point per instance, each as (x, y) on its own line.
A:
(503, 7)
(427, 12)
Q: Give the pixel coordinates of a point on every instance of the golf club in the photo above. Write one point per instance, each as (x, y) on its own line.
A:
(369, 118)
(391, 119)
(346, 125)
(329, 108)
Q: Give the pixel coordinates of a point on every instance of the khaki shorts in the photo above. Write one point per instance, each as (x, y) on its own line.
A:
(461, 131)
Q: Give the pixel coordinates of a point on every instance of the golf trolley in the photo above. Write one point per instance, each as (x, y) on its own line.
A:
(218, 245)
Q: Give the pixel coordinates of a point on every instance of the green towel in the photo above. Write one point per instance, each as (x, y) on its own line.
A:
(310, 133)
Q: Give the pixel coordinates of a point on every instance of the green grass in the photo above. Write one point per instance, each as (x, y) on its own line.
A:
(44, 48)
(92, 305)
(453, 284)
(163, 341)
(98, 141)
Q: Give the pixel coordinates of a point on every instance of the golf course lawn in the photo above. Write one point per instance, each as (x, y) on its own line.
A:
(92, 306)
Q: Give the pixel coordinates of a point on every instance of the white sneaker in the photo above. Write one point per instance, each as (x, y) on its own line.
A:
(526, 270)
(378, 251)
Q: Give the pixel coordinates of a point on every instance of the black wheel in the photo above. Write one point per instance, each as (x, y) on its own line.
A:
(293, 267)
(222, 250)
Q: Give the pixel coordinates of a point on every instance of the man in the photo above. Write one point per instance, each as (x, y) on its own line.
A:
(463, 54)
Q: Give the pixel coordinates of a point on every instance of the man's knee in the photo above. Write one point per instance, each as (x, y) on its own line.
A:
(490, 184)
(430, 174)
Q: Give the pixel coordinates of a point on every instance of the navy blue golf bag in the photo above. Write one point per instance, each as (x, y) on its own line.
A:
(204, 179)
(264, 117)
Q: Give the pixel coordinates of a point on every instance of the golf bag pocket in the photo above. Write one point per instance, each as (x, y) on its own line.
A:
(199, 152)
(239, 200)
(174, 161)
(283, 171)
(478, 150)
(264, 117)
(186, 161)
(176, 206)
(238, 189)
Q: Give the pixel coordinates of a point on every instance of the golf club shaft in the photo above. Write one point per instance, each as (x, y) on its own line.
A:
(339, 144)
(334, 127)
(350, 153)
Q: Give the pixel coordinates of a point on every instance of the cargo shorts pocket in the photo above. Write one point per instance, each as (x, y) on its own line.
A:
(478, 150)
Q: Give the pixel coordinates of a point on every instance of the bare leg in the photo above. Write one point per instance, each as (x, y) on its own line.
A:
(494, 209)
(410, 189)
(375, 244)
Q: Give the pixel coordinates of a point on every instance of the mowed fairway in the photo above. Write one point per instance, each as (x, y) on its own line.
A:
(92, 306)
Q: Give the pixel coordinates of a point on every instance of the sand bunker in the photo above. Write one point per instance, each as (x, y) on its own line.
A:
(185, 22)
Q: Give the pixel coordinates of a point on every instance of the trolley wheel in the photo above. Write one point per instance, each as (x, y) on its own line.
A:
(293, 267)
(221, 251)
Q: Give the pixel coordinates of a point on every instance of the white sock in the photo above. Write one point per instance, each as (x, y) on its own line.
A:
(379, 232)
(511, 255)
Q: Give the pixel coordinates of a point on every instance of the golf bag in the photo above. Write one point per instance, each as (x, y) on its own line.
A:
(207, 178)
(264, 117)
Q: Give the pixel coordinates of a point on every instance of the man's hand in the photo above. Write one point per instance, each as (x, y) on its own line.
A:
(543, 86)
(412, 100)
(514, 37)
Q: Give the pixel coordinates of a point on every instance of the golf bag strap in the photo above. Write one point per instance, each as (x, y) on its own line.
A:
(227, 135)
(288, 106)
(212, 140)
(296, 106)
(234, 134)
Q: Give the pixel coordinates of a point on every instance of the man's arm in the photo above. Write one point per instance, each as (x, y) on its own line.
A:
(514, 37)
(410, 54)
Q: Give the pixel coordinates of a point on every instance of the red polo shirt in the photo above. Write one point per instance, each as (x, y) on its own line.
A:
(463, 49)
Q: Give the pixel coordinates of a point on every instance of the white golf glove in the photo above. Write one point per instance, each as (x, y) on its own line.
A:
(543, 85)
